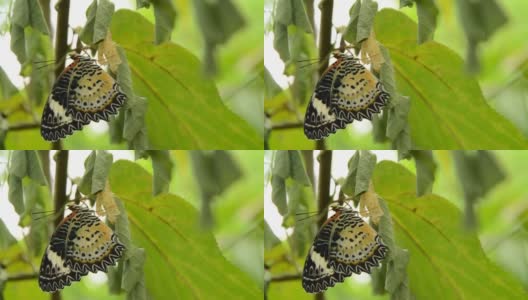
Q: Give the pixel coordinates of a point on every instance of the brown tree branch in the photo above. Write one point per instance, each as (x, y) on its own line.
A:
(60, 198)
(22, 276)
(61, 44)
(325, 34)
(308, 165)
(323, 193)
(287, 125)
(23, 126)
(286, 277)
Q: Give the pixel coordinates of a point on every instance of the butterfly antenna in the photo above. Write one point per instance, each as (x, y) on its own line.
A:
(38, 215)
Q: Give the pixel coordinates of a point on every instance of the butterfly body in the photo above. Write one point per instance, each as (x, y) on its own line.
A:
(82, 93)
(80, 244)
(347, 91)
(345, 245)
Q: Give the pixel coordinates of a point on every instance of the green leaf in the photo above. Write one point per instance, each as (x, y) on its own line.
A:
(351, 30)
(270, 239)
(366, 164)
(478, 172)
(349, 185)
(132, 278)
(396, 269)
(442, 95)
(98, 18)
(133, 267)
(6, 238)
(367, 12)
(26, 13)
(215, 171)
(218, 20)
(34, 170)
(165, 14)
(102, 165)
(162, 170)
(362, 15)
(16, 195)
(18, 42)
(271, 89)
(425, 171)
(281, 164)
(297, 171)
(7, 88)
(278, 196)
(182, 258)
(427, 14)
(18, 164)
(85, 186)
(133, 129)
(479, 19)
(26, 163)
(184, 107)
(96, 168)
(446, 261)
(360, 168)
(408, 3)
(288, 13)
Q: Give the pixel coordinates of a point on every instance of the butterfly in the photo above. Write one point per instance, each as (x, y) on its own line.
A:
(82, 93)
(80, 244)
(347, 91)
(344, 245)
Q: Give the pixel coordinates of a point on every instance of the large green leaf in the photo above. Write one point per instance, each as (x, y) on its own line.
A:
(182, 259)
(448, 110)
(446, 261)
(184, 108)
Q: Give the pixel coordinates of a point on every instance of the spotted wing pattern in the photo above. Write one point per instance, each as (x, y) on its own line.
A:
(345, 245)
(347, 91)
(82, 93)
(80, 244)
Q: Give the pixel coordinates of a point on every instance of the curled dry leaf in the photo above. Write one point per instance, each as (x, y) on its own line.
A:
(369, 205)
(371, 52)
(105, 204)
(107, 53)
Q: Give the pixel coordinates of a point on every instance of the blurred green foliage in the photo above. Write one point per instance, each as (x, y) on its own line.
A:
(234, 243)
(494, 251)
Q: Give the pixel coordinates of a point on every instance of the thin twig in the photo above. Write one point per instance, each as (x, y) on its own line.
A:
(285, 277)
(23, 126)
(287, 125)
(61, 46)
(22, 276)
(325, 34)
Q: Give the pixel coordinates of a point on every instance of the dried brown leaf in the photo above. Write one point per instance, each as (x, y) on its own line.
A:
(369, 205)
(105, 204)
(107, 53)
(371, 52)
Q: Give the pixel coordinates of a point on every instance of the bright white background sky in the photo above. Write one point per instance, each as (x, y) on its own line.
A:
(339, 169)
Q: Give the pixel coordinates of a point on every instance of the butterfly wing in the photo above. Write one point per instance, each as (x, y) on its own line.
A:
(318, 275)
(82, 93)
(95, 95)
(57, 121)
(80, 244)
(356, 247)
(320, 120)
(55, 271)
(93, 246)
(347, 91)
(356, 92)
